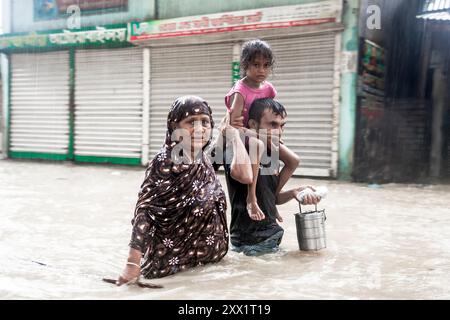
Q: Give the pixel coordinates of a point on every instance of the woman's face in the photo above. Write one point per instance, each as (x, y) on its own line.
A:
(198, 127)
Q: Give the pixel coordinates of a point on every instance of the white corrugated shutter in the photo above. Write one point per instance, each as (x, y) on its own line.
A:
(40, 103)
(108, 103)
(202, 70)
(304, 78)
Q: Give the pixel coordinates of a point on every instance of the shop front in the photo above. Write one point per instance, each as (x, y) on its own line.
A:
(199, 55)
(75, 96)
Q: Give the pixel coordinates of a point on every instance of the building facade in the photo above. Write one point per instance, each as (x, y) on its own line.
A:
(100, 92)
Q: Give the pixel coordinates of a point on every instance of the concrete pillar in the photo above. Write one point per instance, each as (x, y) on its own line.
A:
(349, 74)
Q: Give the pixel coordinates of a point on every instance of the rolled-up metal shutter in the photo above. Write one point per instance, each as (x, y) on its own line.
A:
(304, 78)
(108, 105)
(202, 70)
(40, 105)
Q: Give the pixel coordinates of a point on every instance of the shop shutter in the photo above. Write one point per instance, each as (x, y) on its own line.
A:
(40, 105)
(108, 105)
(202, 70)
(304, 78)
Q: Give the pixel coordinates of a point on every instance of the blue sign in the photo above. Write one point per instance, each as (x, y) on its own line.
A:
(45, 9)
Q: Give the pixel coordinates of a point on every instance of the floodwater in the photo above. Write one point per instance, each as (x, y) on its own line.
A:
(64, 227)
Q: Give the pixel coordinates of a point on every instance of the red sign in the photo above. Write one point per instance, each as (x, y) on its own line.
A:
(263, 18)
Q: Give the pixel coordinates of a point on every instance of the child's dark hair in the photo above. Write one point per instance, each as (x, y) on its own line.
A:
(251, 49)
(260, 105)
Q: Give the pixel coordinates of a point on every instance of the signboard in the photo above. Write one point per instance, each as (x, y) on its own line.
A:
(88, 37)
(32, 40)
(99, 36)
(265, 18)
(55, 9)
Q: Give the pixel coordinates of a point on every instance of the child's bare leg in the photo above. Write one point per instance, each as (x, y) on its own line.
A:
(256, 148)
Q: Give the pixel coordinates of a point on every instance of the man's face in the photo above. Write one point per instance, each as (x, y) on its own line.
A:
(270, 122)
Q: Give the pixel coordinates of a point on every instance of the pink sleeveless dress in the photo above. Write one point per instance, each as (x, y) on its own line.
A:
(249, 95)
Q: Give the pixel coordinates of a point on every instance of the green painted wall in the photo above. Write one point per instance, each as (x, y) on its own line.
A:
(347, 126)
(167, 9)
(5, 74)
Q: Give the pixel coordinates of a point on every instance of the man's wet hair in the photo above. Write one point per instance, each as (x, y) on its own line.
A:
(260, 105)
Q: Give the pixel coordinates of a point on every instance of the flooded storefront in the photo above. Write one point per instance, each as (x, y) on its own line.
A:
(403, 93)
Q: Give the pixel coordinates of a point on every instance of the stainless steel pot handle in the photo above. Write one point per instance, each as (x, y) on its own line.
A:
(300, 207)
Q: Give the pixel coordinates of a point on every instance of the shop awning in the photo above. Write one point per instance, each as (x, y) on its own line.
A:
(93, 36)
(435, 10)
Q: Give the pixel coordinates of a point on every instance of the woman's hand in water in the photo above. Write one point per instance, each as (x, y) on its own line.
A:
(129, 274)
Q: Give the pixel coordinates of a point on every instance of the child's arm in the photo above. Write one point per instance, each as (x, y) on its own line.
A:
(236, 118)
(237, 106)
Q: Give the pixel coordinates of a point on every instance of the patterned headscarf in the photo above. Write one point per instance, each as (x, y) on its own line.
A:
(180, 216)
(182, 108)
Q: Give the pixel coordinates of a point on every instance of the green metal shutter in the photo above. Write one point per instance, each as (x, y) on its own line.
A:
(108, 105)
(40, 105)
(304, 76)
(202, 70)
